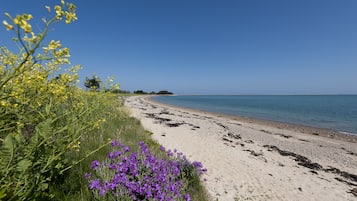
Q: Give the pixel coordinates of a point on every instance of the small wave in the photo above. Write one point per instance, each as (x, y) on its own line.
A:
(347, 133)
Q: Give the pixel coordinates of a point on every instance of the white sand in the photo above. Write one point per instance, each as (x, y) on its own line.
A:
(239, 167)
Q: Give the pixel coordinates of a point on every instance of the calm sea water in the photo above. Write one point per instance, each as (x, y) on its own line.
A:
(336, 112)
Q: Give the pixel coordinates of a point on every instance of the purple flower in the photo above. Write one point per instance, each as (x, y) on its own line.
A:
(162, 148)
(102, 191)
(111, 186)
(95, 184)
(94, 165)
(111, 155)
(187, 197)
(87, 175)
(126, 149)
(143, 176)
(169, 153)
(111, 166)
(114, 143)
(118, 153)
(197, 164)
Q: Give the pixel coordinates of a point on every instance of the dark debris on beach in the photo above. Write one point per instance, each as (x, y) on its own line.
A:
(304, 161)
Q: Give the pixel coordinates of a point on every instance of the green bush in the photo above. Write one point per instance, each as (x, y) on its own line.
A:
(43, 115)
(50, 129)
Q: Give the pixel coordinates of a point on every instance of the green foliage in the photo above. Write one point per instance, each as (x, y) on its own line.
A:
(49, 129)
(164, 92)
(140, 92)
(43, 115)
(93, 83)
(119, 91)
(127, 130)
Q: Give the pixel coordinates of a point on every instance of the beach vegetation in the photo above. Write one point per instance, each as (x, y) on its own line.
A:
(51, 131)
(140, 92)
(140, 175)
(164, 92)
(120, 91)
(93, 83)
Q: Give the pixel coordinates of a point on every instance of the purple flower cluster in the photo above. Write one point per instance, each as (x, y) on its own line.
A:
(141, 175)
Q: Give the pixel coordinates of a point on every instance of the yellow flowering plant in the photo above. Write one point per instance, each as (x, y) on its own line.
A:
(43, 114)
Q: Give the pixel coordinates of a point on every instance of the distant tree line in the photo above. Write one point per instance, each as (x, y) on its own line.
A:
(162, 92)
(94, 84)
(142, 92)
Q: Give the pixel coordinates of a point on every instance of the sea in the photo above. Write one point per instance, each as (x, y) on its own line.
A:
(335, 112)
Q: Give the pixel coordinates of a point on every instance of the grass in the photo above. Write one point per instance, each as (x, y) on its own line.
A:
(126, 130)
(50, 131)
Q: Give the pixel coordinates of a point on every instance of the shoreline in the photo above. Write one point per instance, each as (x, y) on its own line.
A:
(248, 160)
(324, 132)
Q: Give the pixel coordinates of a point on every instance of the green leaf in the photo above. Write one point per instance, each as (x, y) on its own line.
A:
(48, 108)
(19, 138)
(23, 165)
(9, 142)
(2, 194)
(7, 152)
(44, 128)
(43, 186)
(59, 166)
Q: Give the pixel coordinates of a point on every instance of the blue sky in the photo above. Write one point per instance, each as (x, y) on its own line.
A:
(211, 47)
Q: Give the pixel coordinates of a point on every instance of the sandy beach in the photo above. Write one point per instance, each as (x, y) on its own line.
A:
(248, 159)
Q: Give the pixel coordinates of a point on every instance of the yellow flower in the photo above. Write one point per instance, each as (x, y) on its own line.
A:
(52, 46)
(71, 7)
(3, 103)
(76, 146)
(70, 17)
(32, 39)
(59, 12)
(27, 17)
(21, 20)
(16, 21)
(27, 28)
(7, 25)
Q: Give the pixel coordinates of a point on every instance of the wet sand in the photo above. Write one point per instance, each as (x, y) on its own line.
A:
(249, 159)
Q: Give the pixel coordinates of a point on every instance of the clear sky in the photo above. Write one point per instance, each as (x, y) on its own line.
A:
(211, 46)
